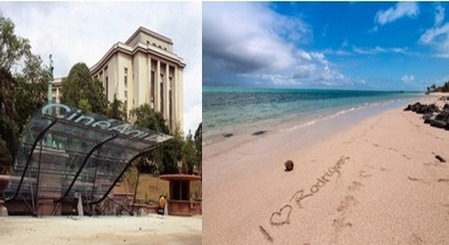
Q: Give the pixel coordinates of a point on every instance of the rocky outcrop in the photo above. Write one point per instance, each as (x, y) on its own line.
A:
(433, 115)
(422, 108)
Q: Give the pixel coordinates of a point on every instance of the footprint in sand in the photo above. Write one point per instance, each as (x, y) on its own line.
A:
(347, 203)
(406, 157)
(355, 186)
(364, 174)
(369, 166)
(393, 149)
(339, 224)
(443, 180)
(383, 169)
(416, 179)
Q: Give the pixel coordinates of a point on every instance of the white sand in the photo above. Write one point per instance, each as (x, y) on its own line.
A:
(389, 190)
(151, 229)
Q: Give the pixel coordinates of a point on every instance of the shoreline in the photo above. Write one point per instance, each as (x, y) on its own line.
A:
(390, 190)
(296, 118)
(313, 127)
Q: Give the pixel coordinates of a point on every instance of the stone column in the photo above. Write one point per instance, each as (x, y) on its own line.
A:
(157, 93)
(179, 99)
(166, 104)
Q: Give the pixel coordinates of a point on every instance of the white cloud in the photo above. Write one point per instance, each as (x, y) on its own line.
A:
(260, 44)
(439, 15)
(401, 9)
(408, 78)
(85, 31)
(379, 50)
(438, 35)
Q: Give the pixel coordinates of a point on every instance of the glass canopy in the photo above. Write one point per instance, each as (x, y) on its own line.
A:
(65, 151)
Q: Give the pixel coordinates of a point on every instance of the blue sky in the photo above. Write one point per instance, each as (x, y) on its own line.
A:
(377, 46)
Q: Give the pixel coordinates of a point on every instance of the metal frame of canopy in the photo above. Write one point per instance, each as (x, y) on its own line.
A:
(84, 150)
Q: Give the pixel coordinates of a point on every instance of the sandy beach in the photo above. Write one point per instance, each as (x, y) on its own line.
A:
(373, 180)
(149, 229)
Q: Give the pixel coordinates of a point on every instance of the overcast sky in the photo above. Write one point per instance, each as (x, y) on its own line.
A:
(84, 31)
(349, 45)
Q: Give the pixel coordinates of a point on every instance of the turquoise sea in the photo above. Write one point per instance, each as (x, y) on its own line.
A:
(239, 110)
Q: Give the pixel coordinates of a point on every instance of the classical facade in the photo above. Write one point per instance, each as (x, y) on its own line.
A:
(142, 70)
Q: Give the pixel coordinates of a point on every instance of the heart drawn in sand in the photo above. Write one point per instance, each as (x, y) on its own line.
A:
(282, 216)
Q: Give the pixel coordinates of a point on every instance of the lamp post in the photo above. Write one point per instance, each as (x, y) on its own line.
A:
(50, 94)
(50, 82)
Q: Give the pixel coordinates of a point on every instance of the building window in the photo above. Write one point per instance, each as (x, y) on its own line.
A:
(106, 87)
(170, 103)
(170, 109)
(126, 95)
(152, 90)
(125, 77)
(162, 94)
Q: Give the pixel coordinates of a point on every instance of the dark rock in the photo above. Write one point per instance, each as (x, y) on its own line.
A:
(440, 158)
(259, 132)
(422, 109)
(289, 165)
(227, 135)
(428, 117)
(438, 123)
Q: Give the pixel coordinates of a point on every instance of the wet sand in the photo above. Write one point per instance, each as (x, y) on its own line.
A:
(371, 181)
(151, 229)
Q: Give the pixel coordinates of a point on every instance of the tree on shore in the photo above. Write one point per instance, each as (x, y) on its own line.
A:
(443, 88)
(23, 89)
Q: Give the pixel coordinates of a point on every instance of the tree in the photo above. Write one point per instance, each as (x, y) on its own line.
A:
(172, 153)
(21, 93)
(117, 110)
(145, 117)
(168, 156)
(443, 88)
(80, 90)
(190, 156)
(12, 47)
(199, 146)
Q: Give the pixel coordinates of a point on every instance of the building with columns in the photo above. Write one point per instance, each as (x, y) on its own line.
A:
(142, 70)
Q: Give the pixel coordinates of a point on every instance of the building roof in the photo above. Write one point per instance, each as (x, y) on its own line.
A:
(151, 33)
(140, 47)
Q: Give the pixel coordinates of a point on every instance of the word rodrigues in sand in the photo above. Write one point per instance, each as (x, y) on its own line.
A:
(74, 115)
(282, 217)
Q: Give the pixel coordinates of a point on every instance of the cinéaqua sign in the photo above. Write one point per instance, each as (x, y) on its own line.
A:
(74, 115)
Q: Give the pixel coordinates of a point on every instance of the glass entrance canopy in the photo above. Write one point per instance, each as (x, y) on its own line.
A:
(65, 151)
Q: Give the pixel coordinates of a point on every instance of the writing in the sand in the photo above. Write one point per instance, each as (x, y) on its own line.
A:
(282, 217)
